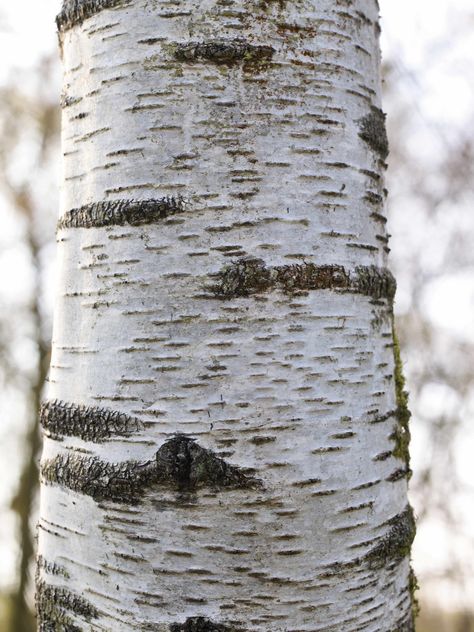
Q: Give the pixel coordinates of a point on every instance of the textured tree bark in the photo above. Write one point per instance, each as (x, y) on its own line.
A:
(226, 428)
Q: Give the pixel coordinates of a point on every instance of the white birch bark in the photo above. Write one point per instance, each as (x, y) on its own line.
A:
(224, 444)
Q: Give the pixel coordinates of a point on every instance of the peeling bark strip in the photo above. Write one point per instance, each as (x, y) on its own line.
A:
(53, 605)
(75, 12)
(180, 465)
(223, 51)
(121, 212)
(249, 276)
(396, 545)
(199, 624)
(373, 131)
(89, 423)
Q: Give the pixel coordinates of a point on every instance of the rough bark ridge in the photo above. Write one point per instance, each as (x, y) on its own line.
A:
(74, 12)
(226, 427)
(223, 52)
(90, 423)
(180, 464)
(249, 276)
(121, 213)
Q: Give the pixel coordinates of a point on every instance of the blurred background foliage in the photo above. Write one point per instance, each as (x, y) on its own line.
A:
(29, 132)
(431, 127)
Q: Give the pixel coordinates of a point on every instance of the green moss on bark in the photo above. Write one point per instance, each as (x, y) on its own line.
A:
(414, 587)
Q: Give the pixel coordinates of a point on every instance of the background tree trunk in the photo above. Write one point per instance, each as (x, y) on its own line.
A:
(226, 445)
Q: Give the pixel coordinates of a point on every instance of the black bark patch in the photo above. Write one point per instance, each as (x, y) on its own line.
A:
(373, 131)
(401, 434)
(200, 624)
(121, 213)
(99, 479)
(413, 588)
(243, 277)
(249, 276)
(405, 626)
(308, 276)
(180, 465)
(392, 548)
(50, 568)
(74, 12)
(89, 423)
(396, 545)
(184, 464)
(223, 52)
(375, 282)
(54, 606)
(67, 101)
(398, 474)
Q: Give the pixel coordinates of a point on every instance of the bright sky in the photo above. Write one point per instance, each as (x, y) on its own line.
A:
(414, 33)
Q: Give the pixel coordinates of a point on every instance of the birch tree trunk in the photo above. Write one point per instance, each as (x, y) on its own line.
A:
(226, 428)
